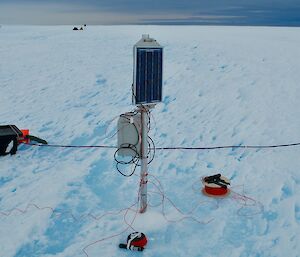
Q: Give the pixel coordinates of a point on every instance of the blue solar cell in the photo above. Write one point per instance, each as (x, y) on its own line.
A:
(148, 75)
(141, 78)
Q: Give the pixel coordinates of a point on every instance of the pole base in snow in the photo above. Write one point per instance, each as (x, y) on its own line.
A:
(143, 209)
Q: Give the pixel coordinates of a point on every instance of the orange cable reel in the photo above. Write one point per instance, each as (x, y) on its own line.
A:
(216, 186)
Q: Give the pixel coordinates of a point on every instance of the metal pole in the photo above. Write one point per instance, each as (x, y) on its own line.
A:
(144, 160)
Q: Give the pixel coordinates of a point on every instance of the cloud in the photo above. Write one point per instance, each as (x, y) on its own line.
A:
(236, 12)
(57, 14)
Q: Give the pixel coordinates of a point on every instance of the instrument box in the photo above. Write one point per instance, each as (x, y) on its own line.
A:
(9, 136)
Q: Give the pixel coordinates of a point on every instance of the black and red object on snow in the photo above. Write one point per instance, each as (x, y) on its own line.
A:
(136, 241)
(11, 136)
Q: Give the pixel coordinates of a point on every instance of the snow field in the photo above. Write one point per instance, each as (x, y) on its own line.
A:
(222, 86)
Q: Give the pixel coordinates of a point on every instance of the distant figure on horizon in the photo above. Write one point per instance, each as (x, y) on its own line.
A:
(75, 28)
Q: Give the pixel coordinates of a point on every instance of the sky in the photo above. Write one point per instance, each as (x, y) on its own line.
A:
(162, 12)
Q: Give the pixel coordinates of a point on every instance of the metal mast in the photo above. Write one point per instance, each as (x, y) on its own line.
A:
(144, 159)
(146, 92)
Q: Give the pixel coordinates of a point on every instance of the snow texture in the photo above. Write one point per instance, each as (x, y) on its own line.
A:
(222, 86)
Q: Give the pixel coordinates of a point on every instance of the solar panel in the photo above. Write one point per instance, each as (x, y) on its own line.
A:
(148, 75)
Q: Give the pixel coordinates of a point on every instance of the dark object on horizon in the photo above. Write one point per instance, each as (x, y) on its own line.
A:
(81, 28)
(9, 134)
(75, 28)
(84, 25)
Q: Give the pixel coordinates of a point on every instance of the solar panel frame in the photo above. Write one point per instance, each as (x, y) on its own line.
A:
(148, 63)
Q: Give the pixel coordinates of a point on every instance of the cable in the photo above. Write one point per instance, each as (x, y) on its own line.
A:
(126, 175)
(229, 146)
(72, 146)
(151, 148)
(129, 220)
(173, 147)
(129, 226)
(132, 161)
(128, 147)
(136, 112)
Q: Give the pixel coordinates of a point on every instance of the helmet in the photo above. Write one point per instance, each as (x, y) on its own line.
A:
(137, 239)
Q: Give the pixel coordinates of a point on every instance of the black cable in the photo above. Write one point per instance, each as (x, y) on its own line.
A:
(123, 174)
(130, 147)
(137, 160)
(228, 146)
(171, 148)
(72, 146)
(149, 138)
(135, 112)
(132, 161)
(154, 150)
(149, 143)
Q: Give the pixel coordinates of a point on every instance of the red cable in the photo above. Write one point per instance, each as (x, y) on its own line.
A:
(120, 233)
(240, 198)
(112, 236)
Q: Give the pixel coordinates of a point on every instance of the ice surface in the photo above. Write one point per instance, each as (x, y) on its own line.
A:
(222, 86)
